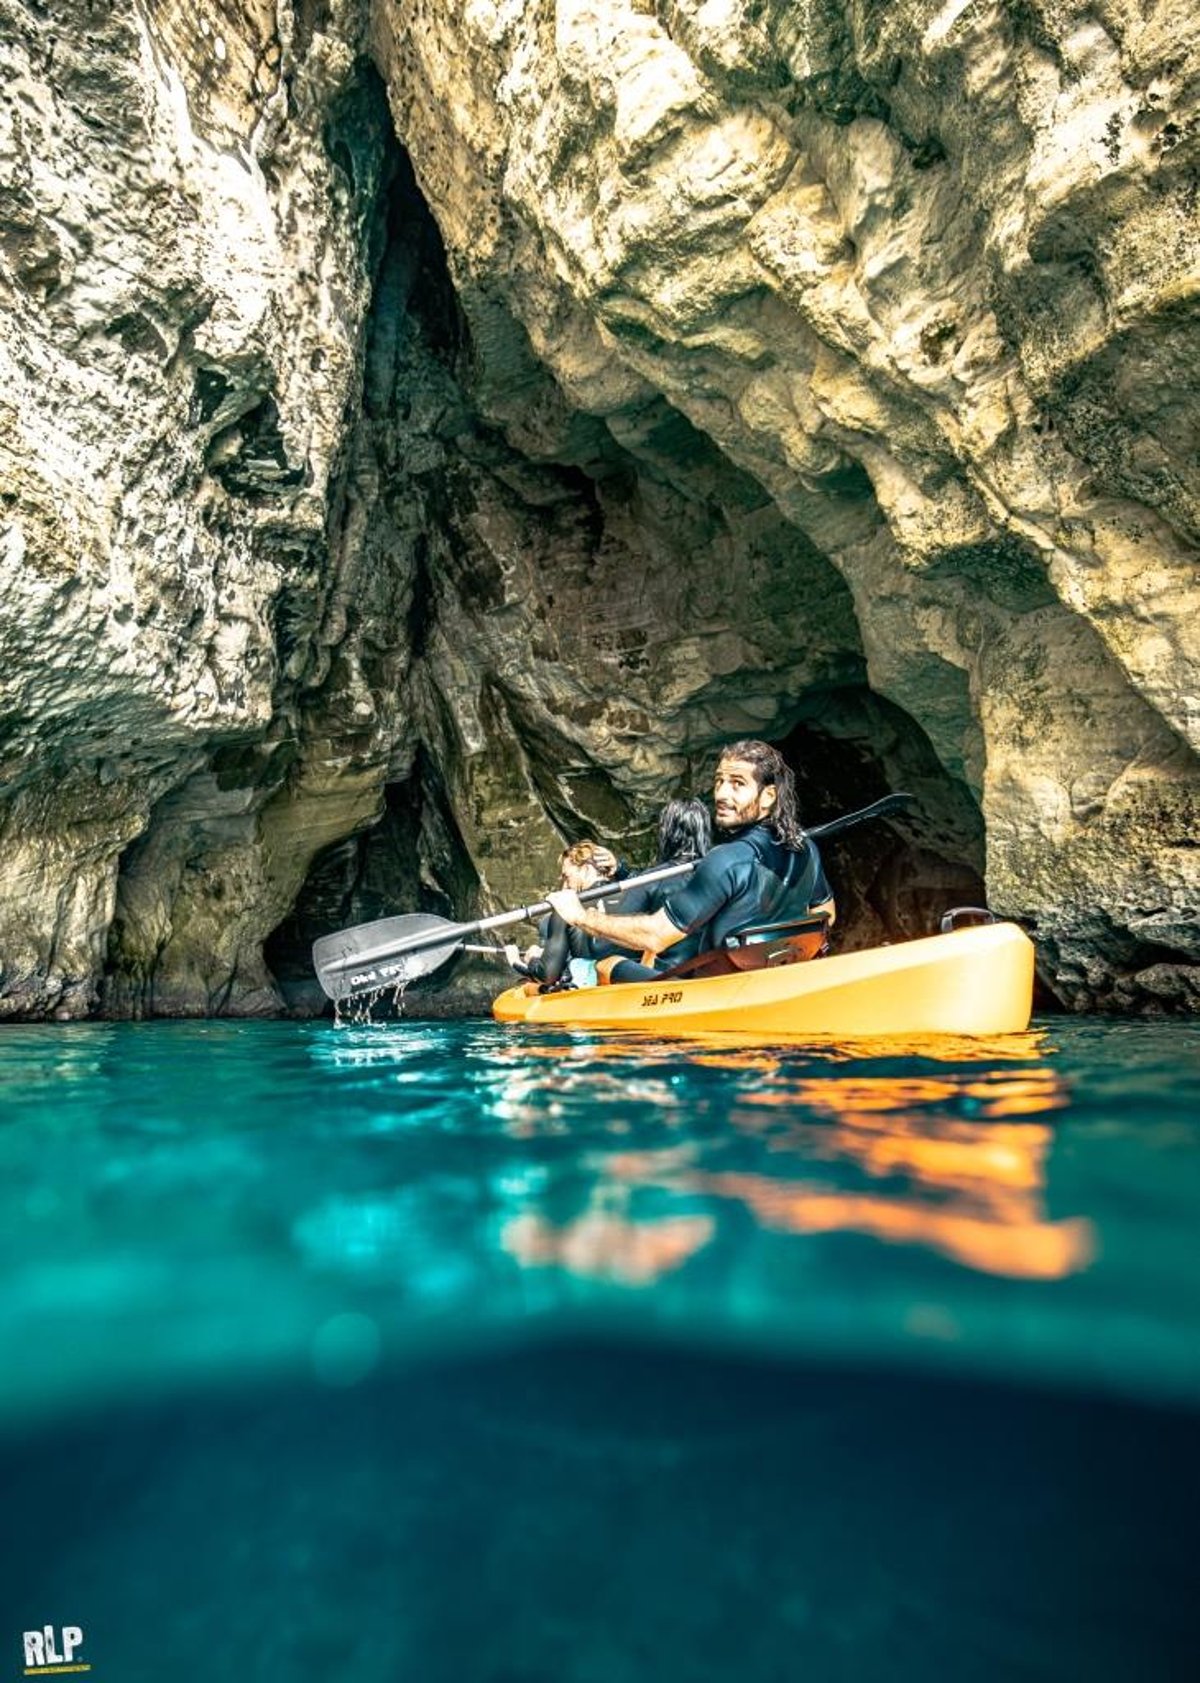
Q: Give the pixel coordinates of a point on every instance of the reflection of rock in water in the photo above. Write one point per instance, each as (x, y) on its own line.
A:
(604, 1511)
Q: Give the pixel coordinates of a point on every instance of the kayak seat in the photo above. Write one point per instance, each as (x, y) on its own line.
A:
(762, 946)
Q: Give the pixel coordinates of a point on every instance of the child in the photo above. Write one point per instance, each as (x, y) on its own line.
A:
(563, 949)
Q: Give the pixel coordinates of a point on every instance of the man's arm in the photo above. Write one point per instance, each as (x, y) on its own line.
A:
(648, 932)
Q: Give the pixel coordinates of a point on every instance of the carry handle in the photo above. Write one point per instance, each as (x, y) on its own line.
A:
(965, 917)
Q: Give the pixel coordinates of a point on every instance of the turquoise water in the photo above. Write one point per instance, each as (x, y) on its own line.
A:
(447, 1351)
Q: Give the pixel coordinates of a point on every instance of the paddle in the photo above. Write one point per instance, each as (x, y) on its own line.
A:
(399, 949)
(393, 951)
(877, 809)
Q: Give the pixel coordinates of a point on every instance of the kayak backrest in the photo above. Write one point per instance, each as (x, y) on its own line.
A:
(762, 946)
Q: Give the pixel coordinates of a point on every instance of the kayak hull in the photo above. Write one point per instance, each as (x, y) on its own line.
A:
(968, 982)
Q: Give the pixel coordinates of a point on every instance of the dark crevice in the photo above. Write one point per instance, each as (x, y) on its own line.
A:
(414, 295)
(893, 879)
(413, 860)
(422, 609)
(212, 388)
(1146, 954)
(250, 457)
(360, 141)
(582, 488)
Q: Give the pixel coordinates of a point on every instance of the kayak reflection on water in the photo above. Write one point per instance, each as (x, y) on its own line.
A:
(954, 1162)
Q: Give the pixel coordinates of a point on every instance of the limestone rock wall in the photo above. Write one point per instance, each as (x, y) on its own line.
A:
(927, 273)
(183, 286)
(820, 371)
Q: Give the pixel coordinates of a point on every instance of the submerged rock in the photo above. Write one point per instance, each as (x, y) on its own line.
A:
(430, 432)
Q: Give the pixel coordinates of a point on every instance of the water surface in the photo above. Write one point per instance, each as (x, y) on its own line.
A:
(524, 1357)
(180, 1202)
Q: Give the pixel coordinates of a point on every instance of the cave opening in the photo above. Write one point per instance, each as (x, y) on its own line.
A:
(391, 502)
(412, 860)
(893, 878)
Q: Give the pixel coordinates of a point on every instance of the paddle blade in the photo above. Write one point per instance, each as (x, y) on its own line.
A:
(878, 809)
(345, 969)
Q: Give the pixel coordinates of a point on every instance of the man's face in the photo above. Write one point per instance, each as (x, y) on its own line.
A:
(738, 798)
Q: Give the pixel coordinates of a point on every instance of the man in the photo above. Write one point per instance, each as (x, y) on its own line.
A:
(764, 870)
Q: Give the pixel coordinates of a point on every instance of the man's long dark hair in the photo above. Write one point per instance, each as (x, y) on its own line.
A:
(684, 831)
(770, 766)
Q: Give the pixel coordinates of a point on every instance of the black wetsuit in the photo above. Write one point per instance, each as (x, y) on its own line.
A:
(560, 944)
(644, 901)
(749, 879)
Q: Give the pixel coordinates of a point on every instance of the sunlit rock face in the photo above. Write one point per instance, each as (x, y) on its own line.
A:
(380, 512)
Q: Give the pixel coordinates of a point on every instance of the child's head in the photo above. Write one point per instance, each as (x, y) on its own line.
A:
(684, 830)
(577, 866)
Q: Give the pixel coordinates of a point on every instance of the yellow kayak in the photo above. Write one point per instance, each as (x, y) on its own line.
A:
(968, 982)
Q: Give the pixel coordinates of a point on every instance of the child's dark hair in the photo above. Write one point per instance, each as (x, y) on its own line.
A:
(684, 831)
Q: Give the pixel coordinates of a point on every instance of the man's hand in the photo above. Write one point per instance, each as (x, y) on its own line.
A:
(605, 861)
(567, 904)
(643, 932)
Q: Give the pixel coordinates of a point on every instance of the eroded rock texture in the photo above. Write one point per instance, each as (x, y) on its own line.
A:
(430, 430)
